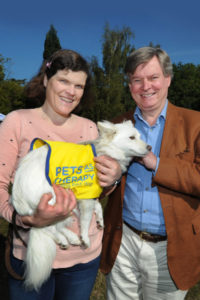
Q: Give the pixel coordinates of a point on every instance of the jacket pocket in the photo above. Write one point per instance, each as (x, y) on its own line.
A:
(196, 224)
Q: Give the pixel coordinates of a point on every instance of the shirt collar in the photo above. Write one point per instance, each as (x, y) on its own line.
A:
(163, 113)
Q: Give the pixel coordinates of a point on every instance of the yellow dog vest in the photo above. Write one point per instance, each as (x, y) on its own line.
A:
(71, 166)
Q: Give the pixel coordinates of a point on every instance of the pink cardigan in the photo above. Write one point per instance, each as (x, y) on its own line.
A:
(17, 131)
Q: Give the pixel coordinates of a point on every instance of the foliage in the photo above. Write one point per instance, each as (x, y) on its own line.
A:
(151, 44)
(51, 43)
(11, 90)
(185, 86)
(109, 86)
(11, 95)
(3, 64)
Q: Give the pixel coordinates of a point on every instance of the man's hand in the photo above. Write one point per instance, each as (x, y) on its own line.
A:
(149, 161)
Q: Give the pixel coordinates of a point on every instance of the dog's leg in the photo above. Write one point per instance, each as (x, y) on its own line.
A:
(65, 233)
(99, 214)
(86, 207)
(58, 237)
(72, 238)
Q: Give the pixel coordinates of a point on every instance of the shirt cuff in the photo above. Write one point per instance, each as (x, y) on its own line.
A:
(157, 164)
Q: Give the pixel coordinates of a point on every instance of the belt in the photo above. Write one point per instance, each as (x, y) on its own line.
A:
(154, 238)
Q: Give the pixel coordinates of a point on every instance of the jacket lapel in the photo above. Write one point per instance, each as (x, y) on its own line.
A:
(174, 140)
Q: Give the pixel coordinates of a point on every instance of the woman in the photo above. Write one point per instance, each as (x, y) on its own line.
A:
(60, 84)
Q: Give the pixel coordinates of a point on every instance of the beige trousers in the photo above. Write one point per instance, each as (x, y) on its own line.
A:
(140, 271)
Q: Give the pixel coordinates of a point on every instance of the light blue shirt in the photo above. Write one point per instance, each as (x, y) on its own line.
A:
(2, 116)
(142, 207)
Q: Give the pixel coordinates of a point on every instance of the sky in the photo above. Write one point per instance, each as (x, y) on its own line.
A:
(173, 24)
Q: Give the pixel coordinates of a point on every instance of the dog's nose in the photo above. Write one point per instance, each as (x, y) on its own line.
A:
(149, 147)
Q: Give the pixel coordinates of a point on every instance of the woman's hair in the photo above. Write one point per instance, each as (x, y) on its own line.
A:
(143, 55)
(60, 60)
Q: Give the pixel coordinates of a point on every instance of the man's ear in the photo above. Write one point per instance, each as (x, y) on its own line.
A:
(169, 79)
(45, 80)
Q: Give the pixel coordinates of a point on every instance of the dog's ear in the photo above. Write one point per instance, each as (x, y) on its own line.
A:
(129, 123)
(106, 127)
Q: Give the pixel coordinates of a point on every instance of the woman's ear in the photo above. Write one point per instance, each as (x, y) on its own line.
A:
(45, 81)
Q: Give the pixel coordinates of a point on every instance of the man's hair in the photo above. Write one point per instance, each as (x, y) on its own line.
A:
(145, 54)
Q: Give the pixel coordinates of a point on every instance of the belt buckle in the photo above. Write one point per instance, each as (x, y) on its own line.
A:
(142, 234)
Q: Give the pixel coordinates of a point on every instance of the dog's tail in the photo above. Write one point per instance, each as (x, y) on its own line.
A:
(41, 252)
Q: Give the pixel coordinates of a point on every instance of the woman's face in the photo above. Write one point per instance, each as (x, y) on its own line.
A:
(63, 92)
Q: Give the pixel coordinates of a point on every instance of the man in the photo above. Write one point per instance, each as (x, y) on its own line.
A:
(151, 246)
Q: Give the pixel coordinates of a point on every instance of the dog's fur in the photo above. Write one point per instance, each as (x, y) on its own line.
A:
(119, 141)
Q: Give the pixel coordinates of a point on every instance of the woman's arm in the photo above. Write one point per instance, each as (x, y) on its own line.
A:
(108, 170)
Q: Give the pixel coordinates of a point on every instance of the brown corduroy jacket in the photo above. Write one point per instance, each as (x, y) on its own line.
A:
(178, 182)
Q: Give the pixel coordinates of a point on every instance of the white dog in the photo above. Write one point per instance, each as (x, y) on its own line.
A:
(119, 141)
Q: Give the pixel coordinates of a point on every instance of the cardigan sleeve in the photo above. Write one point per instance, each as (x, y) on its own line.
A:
(9, 157)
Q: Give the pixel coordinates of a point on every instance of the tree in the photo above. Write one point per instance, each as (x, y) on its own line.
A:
(185, 87)
(3, 67)
(110, 92)
(51, 43)
(151, 44)
(11, 95)
(11, 90)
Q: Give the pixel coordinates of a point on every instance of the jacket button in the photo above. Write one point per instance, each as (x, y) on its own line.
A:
(119, 227)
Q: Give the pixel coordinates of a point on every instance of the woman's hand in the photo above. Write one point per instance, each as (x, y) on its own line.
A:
(108, 170)
(47, 214)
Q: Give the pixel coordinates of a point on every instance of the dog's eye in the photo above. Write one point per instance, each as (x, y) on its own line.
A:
(132, 137)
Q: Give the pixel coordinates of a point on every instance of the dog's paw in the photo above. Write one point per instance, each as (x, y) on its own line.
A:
(85, 242)
(75, 241)
(100, 224)
(64, 247)
(99, 215)
(72, 238)
(61, 240)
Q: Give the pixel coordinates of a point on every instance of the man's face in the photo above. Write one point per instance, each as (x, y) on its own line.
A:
(149, 86)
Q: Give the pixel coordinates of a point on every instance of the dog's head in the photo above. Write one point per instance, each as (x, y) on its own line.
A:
(123, 136)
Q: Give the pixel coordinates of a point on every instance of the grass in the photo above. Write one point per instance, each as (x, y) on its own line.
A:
(99, 290)
(3, 227)
(194, 293)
